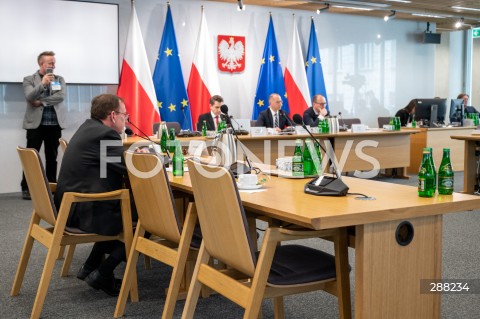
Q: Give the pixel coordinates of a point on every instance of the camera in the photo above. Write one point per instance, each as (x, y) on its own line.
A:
(49, 70)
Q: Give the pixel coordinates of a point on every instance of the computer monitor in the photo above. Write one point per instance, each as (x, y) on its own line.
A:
(457, 109)
(431, 112)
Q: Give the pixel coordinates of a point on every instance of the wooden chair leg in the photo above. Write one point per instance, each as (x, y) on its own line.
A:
(195, 285)
(127, 280)
(68, 260)
(278, 309)
(343, 278)
(60, 253)
(45, 281)
(24, 257)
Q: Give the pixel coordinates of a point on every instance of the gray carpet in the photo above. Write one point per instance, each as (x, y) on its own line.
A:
(72, 298)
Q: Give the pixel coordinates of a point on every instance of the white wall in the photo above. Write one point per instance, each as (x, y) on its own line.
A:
(366, 76)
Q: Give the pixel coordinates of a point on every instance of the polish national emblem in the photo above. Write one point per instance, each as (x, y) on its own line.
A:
(231, 53)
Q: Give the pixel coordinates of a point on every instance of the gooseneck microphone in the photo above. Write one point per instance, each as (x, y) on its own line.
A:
(343, 127)
(146, 137)
(237, 168)
(323, 185)
(289, 121)
(224, 114)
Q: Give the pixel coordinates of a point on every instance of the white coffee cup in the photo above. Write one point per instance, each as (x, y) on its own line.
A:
(247, 179)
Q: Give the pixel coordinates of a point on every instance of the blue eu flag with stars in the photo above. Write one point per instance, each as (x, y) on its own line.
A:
(172, 98)
(270, 79)
(316, 82)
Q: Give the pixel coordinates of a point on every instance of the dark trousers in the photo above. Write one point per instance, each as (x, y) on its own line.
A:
(48, 135)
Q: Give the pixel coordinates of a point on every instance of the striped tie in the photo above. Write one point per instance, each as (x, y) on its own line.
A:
(276, 120)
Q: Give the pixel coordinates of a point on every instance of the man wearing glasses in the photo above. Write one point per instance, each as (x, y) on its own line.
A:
(318, 111)
(93, 163)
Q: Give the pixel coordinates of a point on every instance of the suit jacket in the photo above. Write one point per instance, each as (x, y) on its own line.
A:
(265, 118)
(310, 118)
(209, 119)
(33, 90)
(80, 172)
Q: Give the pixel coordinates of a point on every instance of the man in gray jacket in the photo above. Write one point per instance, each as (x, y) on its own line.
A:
(45, 115)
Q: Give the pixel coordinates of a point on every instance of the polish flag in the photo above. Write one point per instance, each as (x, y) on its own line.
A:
(136, 84)
(296, 82)
(203, 81)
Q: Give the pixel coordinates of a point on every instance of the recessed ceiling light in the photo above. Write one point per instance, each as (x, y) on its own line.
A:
(465, 8)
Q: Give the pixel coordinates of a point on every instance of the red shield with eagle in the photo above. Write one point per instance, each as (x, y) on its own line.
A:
(231, 53)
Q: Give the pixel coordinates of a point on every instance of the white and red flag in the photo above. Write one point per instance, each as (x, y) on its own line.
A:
(203, 81)
(295, 76)
(136, 84)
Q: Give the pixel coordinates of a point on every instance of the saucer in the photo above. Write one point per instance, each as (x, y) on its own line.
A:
(249, 187)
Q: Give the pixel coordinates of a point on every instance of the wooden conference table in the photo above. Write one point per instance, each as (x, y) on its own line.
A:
(387, 275)
(354, 151)
(470, 161)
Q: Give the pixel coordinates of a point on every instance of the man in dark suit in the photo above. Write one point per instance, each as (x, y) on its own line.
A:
(468, 108)
(318, 111)
(274, 117)
(89, 166)
(214, 117)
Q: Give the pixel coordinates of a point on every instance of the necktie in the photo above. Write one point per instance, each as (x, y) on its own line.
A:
(275, 124)
(216, 121)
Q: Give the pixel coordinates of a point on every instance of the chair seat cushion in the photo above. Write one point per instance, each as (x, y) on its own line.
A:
(296, 264)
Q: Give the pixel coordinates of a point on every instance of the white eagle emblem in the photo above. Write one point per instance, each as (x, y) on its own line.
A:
(231, 53)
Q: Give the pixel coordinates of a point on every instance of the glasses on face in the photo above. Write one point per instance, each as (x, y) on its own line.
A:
(322, 103)
(125, 115)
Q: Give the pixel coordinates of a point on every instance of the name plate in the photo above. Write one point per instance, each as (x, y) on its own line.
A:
(258, 131)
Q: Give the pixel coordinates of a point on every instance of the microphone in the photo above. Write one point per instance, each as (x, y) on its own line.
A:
(224, 110)
(343, 127)
(282, 113)
(323, 185)
(237, 168)
(146, 137)
(128, 131)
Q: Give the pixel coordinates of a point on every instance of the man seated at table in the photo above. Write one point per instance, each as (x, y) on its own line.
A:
(318, 111)
(214, 117)
(274, 117)
(85, 170)
(468, 108)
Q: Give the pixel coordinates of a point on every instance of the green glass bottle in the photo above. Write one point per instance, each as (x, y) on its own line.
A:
(318, 159)
(398, 123)
(308, 165)
(326, 126)
(204, 128)
(297, 160)
(425, 176)
(445, 174)
(221, 126)
(432, 162)
(171, 140)
(177, 160)
(163, 139)
(414, 123)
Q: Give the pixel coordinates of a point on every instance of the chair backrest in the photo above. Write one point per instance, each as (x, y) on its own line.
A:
(253, 123)
(155, 127)
(383, 120)
(153, 196)
(42, 199)
(222, 218)
(174, 125)
(349, 122)
(63, 144)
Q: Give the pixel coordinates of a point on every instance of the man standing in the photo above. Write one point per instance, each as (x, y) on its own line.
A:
(274, 117)
(93, 163)
(317, 111)
(214, 117)
(45, 115)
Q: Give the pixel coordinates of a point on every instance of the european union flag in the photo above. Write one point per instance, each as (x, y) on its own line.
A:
(172, 96)
(316, 82)
(270, 79)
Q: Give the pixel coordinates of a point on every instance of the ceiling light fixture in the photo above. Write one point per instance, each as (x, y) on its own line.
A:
(465, 8)
(352, 8)
(390, 16)
(459, 23)
(240, 6)
(324, 9)
(425, 15)
(401, 1)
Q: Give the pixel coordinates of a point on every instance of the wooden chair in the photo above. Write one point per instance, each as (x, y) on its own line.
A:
(63, 144)
(253, 123)
(348, 122)
(157, 216)
(226, 237)
(55, 234)
(155, 127)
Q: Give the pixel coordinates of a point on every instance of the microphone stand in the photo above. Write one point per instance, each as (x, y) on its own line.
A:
(325, 185)
(343, 128)
(146, 137)
(239, 168)
(290, 123)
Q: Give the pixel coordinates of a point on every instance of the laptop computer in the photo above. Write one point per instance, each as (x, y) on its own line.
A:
(241, 124)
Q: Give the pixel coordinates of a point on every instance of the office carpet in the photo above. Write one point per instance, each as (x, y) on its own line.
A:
(72, 298)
